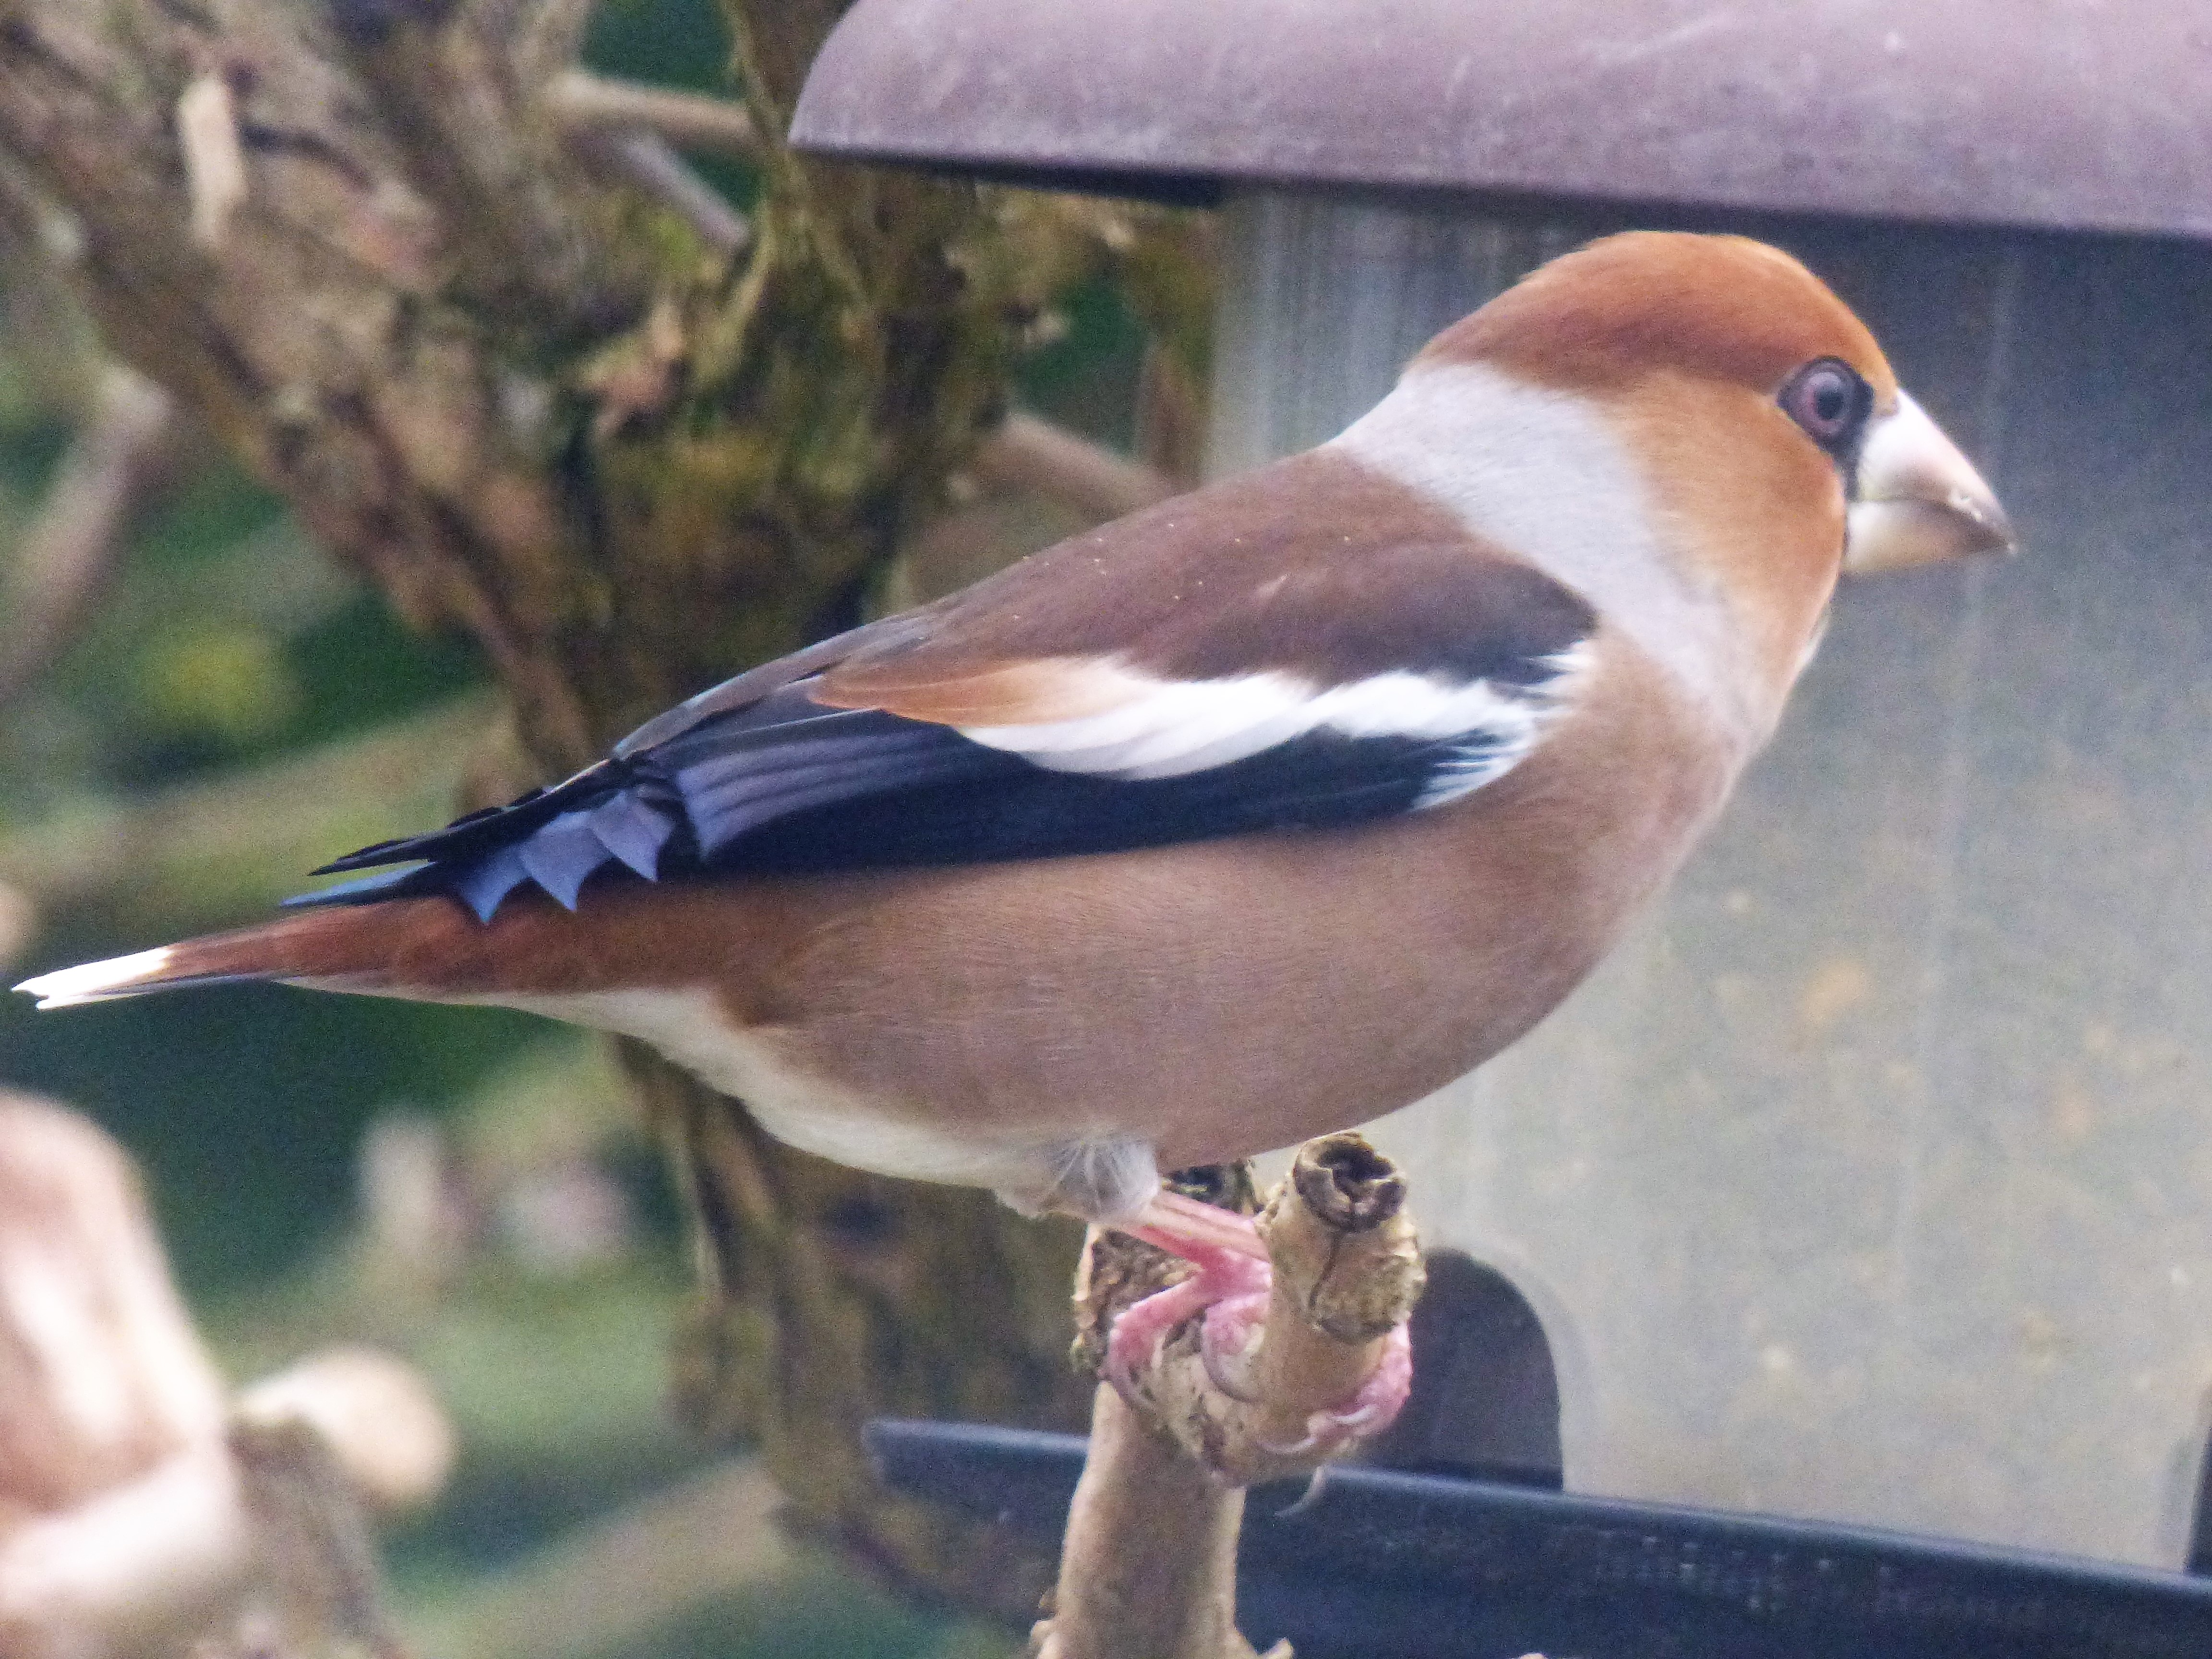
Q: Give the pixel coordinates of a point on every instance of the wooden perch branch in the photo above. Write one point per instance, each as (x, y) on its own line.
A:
(139, 1514)
(1347, 1270)
(1148, 1570)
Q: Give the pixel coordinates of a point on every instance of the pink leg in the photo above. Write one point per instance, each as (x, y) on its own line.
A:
(1232, 1287)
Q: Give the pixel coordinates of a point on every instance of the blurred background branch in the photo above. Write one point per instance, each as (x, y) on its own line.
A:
(582, 102)
(206, 853)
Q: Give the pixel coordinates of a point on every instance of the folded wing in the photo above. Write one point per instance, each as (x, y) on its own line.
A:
(1298, 686)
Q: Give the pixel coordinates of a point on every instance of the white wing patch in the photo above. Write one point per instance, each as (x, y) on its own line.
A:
(1172, 728)
(1549, 474)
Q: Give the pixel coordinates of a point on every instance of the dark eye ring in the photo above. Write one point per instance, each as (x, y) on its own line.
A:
(1829, 399)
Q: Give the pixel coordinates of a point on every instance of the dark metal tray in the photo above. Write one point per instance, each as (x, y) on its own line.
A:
(1378, 1562)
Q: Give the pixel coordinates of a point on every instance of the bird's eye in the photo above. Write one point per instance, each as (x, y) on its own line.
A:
(1830, 400)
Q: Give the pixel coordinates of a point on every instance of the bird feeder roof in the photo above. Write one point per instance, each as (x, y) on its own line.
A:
(2042, 113)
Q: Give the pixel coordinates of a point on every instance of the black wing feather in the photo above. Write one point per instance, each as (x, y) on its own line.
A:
(784, 785)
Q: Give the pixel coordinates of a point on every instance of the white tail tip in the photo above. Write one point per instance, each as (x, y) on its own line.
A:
(96, 981)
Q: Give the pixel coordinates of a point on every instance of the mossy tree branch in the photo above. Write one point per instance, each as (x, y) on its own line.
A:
(534, 405)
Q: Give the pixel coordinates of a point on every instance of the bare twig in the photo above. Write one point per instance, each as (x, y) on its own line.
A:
(1035, 453)
(644, 159)
(1148, 1567)
(320, 1585)
(221, 850)
(1039, 483)
(633, 132)
(389, 1435)
(581, 102)
(118, 464)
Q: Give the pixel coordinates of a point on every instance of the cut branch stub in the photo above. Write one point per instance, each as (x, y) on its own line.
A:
(1349, 1214)
(1348, 1185)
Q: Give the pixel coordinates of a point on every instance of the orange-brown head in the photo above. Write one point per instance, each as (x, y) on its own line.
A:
(1723, 310)
(1764, 422)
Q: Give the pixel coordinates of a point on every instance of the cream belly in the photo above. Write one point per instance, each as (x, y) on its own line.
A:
(811, 1112)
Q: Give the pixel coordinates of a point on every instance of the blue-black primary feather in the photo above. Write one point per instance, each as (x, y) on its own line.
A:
(783, 785)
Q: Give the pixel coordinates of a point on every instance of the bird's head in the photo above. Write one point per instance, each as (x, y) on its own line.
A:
(1767, 427)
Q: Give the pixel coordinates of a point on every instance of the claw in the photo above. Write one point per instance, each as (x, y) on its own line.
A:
(1135, 1340)
(1232, 1327)
(1305, 1500)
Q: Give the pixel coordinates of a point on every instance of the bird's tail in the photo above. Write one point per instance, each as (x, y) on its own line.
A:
(343, 949)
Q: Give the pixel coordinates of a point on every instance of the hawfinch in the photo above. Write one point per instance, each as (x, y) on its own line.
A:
(1248, 816)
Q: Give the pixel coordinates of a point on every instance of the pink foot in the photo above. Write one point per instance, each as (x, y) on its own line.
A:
(1228, 1287)
(1231, 1288)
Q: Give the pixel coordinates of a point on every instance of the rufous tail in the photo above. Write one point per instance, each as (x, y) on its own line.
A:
(349, 948)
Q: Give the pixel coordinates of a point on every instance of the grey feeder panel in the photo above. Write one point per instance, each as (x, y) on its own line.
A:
(1870, 1180)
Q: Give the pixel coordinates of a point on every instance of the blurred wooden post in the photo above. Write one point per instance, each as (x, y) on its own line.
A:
(140, 1514)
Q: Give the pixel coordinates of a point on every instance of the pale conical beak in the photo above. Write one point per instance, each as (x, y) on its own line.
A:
(1919, 499)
